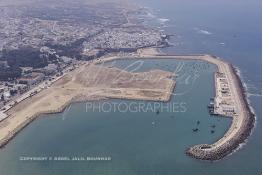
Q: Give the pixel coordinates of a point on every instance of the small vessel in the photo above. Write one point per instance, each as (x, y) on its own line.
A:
(157, 112)
(211, 106)
(198, 122)
(212, 131)
(195, 130)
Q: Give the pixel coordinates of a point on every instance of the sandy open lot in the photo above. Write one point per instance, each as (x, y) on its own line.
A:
(89, 82)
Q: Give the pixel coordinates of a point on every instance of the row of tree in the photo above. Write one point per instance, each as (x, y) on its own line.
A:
(10, 73)
(24, 57)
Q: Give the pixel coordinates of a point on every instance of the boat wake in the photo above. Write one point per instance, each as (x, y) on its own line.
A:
(203, 32)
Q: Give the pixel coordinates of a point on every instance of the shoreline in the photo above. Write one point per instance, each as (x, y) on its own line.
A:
(216, 151)
(18, 116)
(12, 134)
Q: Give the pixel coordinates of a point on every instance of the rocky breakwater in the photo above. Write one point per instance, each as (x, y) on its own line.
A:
(239, 131)
(232, 102)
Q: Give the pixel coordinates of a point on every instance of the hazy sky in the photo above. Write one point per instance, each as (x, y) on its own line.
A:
(17, 2)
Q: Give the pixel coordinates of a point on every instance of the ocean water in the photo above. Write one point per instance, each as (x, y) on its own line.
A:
(144, 142)
(231, 30)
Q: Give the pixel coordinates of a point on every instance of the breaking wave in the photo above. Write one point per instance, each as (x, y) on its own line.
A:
(163, 20)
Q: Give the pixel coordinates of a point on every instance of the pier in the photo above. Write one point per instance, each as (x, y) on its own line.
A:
(230, 101)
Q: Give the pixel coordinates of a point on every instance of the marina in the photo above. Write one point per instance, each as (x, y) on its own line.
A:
(147, 138)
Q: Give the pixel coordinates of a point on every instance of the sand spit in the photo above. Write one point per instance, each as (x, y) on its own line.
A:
(87, 83)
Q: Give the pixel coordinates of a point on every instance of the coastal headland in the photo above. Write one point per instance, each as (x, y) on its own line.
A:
(92, 81)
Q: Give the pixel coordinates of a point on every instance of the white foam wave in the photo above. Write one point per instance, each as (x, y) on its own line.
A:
(254, 95)
(248, 100)
(150, 15)
(163, 20)
(250, 107)
(246, 86)
(203, 32)
(250, 86)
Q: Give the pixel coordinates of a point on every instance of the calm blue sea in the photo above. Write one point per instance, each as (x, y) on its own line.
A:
(231, 30)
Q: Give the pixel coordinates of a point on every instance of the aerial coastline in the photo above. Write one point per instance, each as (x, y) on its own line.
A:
(96, 45)
(242, 119)
(76, 86)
